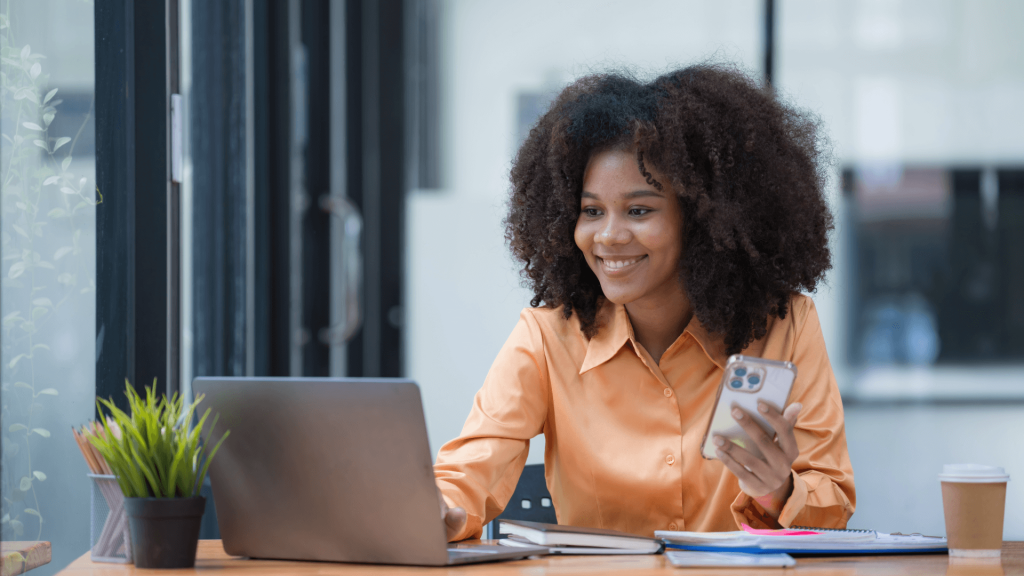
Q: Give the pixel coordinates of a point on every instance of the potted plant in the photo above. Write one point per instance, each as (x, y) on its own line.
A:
(160, 464)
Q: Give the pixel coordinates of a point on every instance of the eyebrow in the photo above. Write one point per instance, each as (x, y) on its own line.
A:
(629, 195)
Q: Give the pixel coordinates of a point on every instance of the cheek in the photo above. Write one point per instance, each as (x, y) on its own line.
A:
(583, 238)
(663, 241)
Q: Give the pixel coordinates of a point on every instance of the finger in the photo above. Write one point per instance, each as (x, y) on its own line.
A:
(792, 412)
(454, 522)
(783, 430)
(758, 436)
(444, 504)
(757, 466)
(753, 484)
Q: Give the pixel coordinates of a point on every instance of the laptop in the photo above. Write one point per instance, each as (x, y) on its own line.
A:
(329, 469)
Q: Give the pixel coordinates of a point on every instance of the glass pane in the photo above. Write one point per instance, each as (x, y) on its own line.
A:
(922, 100)
(49, 199)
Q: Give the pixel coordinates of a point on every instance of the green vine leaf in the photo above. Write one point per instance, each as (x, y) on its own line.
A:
(43, 302)
(42, 432)
(5, 519)
(39, 475)
(26, 484)
(68, 191)
(60, 142)
(67, 162)
(49, 95)
(62, 252)
(48, 118)
(32, 126)
(56, 213)
(17, 428)
(25, 52)
(14, 361)
(47, 392)
(41, 144)
(17, 269)
(33, 512)
(25, 385)
(51, 180)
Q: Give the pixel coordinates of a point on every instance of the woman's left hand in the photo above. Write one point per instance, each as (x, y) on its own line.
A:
(770, 474)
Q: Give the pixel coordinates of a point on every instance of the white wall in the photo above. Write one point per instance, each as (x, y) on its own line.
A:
(942, 60)
(463, 291)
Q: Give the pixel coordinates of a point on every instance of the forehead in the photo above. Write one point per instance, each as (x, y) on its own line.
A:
(614, 173)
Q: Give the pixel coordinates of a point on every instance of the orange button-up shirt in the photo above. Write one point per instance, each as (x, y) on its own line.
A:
(623, 433)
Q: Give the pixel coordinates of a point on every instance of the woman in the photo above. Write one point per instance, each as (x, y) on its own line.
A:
(662, 228)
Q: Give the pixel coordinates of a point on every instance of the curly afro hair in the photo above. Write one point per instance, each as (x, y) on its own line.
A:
(748, 170)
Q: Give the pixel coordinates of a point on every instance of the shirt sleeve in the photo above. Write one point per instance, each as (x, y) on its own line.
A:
(823, 494)
(479, 470)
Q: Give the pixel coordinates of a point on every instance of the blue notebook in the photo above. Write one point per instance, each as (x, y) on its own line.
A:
(825, 543)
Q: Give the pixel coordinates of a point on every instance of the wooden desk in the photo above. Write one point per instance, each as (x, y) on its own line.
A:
(213, 559)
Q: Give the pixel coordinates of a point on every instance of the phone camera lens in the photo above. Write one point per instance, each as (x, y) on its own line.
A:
(754, 380)
(736, 383)
(741, 372)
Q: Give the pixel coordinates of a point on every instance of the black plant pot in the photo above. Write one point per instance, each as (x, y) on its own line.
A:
(165, 531)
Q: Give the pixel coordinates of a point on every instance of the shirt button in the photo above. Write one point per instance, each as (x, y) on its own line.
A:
(672, 526)
(670, 459)
(668, 392)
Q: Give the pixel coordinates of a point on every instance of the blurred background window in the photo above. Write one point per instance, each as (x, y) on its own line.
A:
(48, 270)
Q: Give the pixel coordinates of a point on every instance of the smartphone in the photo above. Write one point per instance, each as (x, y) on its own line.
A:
(745, 381)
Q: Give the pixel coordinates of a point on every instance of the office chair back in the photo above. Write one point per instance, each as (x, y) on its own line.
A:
(530, 501)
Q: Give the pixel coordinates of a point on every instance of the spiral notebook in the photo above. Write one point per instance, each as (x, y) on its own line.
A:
(803, 541)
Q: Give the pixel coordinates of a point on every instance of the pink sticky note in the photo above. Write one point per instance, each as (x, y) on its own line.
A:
(761, 532)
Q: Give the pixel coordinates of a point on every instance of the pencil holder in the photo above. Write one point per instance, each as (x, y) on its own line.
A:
(109, 534)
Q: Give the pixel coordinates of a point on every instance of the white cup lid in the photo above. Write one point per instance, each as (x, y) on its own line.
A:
(973, 473)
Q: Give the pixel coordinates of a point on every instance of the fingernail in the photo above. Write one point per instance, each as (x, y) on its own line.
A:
(719, 441)
(762, 407)
(737, 414)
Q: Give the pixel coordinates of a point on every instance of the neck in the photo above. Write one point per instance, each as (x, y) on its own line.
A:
(658, 322)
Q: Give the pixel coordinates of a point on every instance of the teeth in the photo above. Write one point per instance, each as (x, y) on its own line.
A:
(616, 264)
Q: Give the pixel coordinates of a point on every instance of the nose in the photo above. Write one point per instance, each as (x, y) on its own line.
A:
(613, 232)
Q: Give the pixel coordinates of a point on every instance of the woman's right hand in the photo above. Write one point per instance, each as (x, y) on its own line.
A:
(454, 518)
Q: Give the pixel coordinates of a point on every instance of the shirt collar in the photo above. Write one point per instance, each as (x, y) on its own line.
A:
(615, 330)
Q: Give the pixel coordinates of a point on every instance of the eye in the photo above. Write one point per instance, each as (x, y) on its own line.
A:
(592, 212)
(638, 211)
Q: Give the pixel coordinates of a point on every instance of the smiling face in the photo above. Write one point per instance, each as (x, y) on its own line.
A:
(630, 232)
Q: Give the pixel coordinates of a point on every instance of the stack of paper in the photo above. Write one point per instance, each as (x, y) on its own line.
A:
(810, 541)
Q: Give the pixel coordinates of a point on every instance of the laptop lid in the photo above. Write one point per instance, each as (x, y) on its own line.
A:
(324, 469)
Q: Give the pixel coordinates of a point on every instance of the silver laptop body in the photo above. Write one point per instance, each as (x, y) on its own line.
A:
(335, 470)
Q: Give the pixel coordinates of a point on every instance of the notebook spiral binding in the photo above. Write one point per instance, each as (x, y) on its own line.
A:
(845, 531)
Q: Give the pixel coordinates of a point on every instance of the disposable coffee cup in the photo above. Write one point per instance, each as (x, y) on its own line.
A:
(973, 501)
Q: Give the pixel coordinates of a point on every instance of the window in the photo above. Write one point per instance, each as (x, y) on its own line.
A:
(48, 271)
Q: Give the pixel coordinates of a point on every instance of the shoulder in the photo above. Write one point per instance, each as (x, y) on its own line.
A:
(551, 320)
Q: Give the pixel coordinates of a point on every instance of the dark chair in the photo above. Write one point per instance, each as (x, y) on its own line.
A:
(530, 501)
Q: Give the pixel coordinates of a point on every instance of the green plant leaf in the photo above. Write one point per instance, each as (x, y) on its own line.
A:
(20, 230)
(25, 52)
(35, 70)
(68, 191)
(33, 512)
(42, 302)
(17, 428)
(14, 361)
(42, 432)
(60, 142)
(24, 385)
(32, 126)
(49, 95)
(5, 519)
(26, 484)
(41, 144)
(56, 213)
(51, 180)
(39, 475)
(47, 392)
(48, 118)
(62, 252)
(67, 162)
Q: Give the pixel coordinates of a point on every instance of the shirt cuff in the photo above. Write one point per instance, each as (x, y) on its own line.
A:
(474, 524)
(746, 511)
